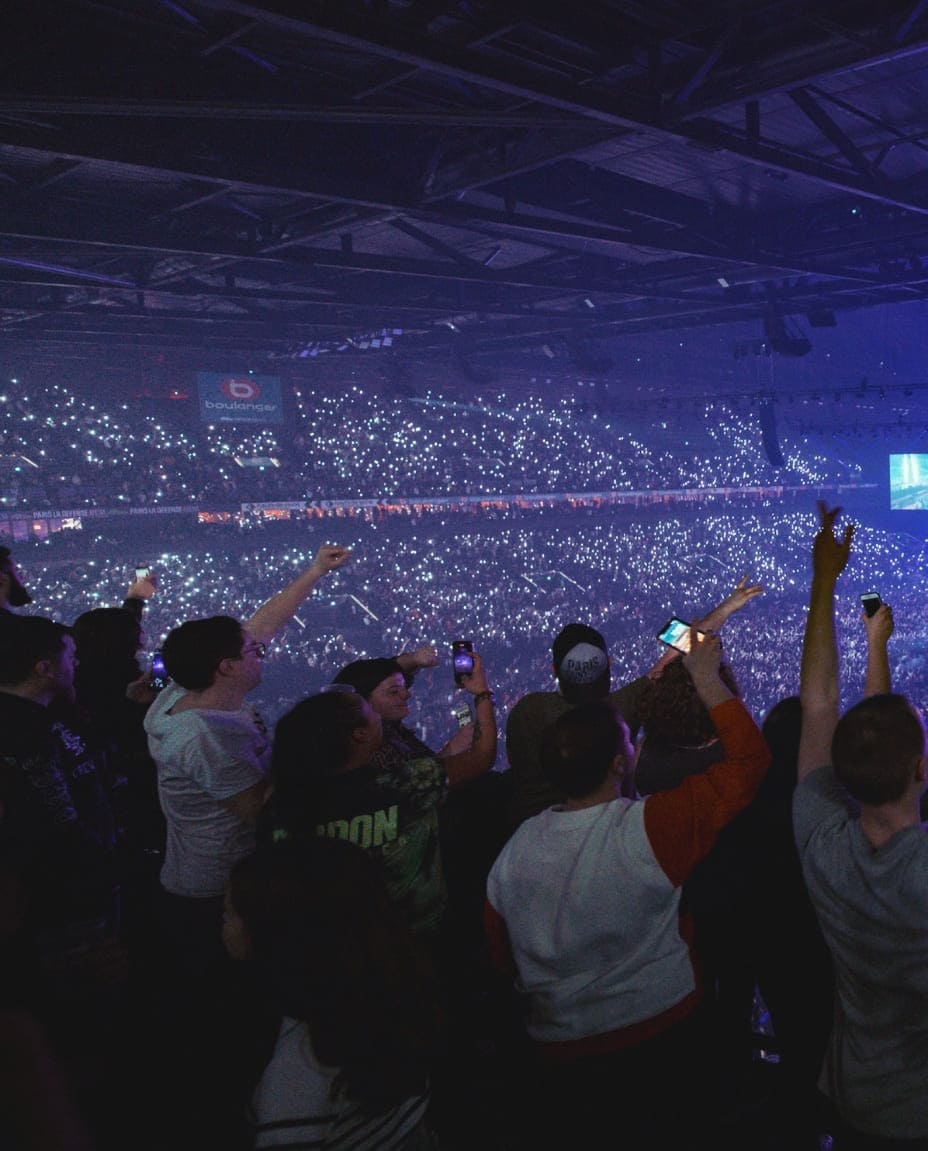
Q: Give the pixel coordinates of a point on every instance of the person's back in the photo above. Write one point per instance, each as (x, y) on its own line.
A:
(61, 960)
(204, 757)
(581, 666)
(680, 740)
(56, 828)
(584, 901)
(864, 857)
(350, 997)
(792, 963)
(872, 904)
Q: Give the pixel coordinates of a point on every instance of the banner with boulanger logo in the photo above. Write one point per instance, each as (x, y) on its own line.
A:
(239, 399)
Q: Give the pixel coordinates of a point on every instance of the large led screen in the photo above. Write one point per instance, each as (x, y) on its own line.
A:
(908, 482)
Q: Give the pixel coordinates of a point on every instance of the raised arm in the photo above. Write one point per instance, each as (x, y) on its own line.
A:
(879, 628)
(683, 822)
(742, 594)
(702, 662)
(412, 662)
(140, 590)
(279, 609)
(818, 676)
(481, 755)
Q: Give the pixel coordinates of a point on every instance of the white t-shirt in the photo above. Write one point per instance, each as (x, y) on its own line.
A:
(293, 1105)
(203, 756)
(593, 921)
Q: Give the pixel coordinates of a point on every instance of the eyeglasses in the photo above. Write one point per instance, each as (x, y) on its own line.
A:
(260, 649)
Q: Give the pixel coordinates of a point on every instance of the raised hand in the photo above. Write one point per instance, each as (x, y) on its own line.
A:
(743, 593)
(830, 554)
(330, 557)
(880, 625)
(143, 588)
(705, 654)
(702, 662)
(476, 682)
(424, 655)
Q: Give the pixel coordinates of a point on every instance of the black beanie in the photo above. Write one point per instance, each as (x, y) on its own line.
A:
(364, 675)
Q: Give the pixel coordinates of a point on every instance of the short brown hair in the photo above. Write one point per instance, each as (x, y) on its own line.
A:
(876, 747)
(580, 747)
(193, 651)
(24, 641)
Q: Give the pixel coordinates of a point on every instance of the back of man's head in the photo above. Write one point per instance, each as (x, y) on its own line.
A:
(876, 748)
(193, 651)
(581, 663)
(782, 728)
(580, 747)
(24, 642)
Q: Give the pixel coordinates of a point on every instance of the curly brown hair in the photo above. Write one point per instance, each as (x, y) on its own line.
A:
(672, 713)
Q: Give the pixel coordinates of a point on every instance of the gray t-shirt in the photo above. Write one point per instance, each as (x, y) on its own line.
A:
(203, 756)
(873, 909)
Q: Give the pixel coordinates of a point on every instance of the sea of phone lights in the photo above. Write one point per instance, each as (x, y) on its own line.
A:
(508, 581)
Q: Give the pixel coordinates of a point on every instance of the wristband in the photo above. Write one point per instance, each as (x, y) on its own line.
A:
(484, 695)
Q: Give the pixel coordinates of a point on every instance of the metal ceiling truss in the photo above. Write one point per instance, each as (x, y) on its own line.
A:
(429, 159)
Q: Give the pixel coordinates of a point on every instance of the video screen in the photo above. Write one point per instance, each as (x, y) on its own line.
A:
(908, 482)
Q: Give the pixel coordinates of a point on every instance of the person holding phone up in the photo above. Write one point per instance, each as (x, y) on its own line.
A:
(386, 683)
(584, 906)
(395, 804)
(864, 855)
(582, 668)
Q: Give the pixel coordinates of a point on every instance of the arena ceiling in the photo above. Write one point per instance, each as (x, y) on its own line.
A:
(509, 180)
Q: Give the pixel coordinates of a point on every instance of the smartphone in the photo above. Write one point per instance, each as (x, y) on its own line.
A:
(676, 634)
(142, 573)
(159, 678)
(870, 601)
(461, 659)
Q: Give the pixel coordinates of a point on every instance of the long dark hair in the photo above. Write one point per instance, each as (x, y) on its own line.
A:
(312, 742)
(107, 642)
(333, 951)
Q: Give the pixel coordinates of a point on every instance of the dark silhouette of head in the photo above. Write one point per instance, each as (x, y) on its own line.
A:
(581, 746)
(333, 950)
(107, 641)
(26, 641)
(315, 740)
(877, 748)
(365, 675)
